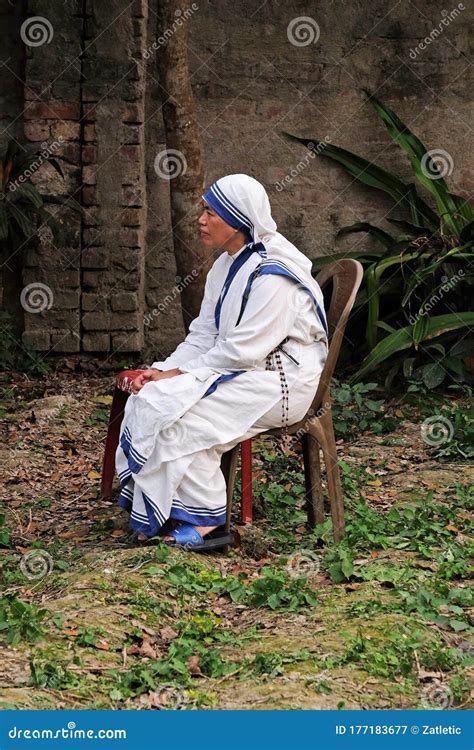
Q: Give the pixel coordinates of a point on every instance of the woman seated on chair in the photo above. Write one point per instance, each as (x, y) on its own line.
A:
(251, 361)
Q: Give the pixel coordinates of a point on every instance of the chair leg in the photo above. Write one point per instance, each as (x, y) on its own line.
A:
(113, 432)
(246, 472)
(333, 477)
(229, 469)
(312, 476)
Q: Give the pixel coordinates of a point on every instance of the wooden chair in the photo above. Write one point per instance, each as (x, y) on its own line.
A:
(316, 429)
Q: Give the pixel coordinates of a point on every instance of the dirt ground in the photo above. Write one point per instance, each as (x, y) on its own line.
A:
(106, 624)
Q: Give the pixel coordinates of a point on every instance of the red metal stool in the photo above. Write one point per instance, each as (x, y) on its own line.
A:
(123, 389)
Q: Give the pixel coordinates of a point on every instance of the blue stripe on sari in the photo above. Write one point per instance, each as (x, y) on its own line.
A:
(134, 458)
(279, 268)
(222, 379)
(154, 522)
(125, 502)
(234, 268)
(200, 517)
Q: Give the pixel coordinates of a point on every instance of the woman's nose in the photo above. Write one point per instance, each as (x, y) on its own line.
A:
(202, 218)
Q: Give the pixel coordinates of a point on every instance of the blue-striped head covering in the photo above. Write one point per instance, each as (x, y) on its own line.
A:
(242, 202)
(227, 210)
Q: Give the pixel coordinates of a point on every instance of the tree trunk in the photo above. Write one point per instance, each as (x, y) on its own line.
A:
(184, 152)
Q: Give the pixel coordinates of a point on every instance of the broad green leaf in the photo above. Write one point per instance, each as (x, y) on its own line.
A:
(26, 191)
(364, 256)
(419, 329)
(25, 223)
(374, 287)
(410, 229)
(64, 201)
(374, 176)
(433, 375)
(403, 339)
(424, 166)
(364, 226)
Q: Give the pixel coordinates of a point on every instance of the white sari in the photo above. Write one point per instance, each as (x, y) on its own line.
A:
(175, 430)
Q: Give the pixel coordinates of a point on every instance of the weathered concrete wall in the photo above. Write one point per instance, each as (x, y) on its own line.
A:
(257, 70)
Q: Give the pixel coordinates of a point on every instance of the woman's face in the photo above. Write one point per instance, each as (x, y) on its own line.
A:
(215, 233)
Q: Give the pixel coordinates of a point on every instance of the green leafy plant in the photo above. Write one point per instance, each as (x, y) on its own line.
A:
(4, 531)
(20, 621)
(459, 443)
(396, 657)
(354, 411)
(418, 284)
(276, 590)
(14, 356)
(100, 416)
(47, 671)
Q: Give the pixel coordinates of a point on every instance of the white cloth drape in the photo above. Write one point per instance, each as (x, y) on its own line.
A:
(175, 430)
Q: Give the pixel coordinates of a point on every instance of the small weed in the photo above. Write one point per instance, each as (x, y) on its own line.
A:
(50, 671)
(355, 412)
(4, 531)
(20, 621)
(99, 416)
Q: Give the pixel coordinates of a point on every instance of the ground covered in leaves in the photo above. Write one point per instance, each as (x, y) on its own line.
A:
(287, 620)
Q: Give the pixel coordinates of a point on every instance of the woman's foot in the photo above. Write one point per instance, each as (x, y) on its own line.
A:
(203, 530)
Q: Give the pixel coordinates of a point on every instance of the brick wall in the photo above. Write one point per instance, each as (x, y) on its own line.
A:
(92, 87)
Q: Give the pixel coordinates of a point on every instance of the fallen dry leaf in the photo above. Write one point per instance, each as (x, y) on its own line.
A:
(94, 476)
(102, 645)
(167, 634)
(193, 665)
(146, 649)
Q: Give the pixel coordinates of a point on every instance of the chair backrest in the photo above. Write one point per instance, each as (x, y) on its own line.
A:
(346, 276)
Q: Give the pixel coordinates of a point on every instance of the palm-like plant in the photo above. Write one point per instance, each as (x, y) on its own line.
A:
(22, 216)
(408, 275)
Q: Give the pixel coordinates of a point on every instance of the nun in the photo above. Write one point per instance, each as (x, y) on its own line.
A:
(251, 361)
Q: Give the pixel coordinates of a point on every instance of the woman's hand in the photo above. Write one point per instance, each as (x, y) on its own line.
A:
(148, 375)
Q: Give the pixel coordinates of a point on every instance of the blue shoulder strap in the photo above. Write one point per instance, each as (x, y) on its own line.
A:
(279, 268)
(235, 267)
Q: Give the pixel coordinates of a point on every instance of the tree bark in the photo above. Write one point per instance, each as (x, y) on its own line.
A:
(186, 174)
